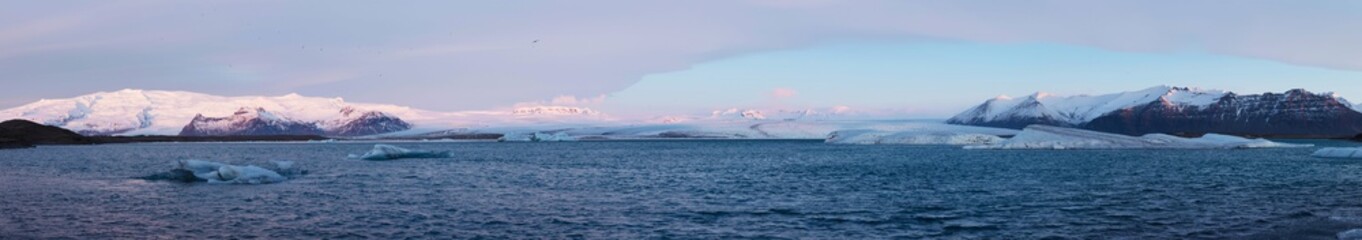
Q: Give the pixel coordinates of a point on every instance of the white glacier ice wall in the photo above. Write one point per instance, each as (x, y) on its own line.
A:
(1051, 137)
(909, 137)
(537, 137)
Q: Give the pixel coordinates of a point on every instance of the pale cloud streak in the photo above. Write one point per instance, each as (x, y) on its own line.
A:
(457, 55)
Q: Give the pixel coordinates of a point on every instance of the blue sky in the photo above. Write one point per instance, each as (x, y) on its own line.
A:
(940, 78)
(925, 58)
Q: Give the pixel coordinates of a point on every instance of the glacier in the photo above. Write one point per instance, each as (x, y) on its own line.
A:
(390, 152)
(1052, 137)
(870, 137)
(216, 172)
(1338, 152)
(536, 137)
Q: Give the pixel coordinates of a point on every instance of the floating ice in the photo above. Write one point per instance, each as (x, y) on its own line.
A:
(389, 152)
(1050, 137)
(215, 172)
(1351, 234)
(536, 137)
(1339, 152)
(909, 137)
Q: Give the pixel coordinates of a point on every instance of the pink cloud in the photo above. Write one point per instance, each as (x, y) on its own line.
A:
(780, 93)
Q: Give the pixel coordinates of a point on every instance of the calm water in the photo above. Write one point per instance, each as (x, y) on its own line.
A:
(683, 189)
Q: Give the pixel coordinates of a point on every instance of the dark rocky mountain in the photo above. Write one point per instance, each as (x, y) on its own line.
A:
(260, 122)
(24, 133)
(1296, 113)
(247, 122)
(356, 123)
(6, 143)
(1181, 111)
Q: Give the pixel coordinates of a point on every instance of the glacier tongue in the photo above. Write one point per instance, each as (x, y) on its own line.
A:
(867, 137)
(537, 137)
(1051, 137)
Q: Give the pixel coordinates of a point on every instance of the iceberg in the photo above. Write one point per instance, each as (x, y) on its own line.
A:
(389, 152)
(536, 137)
(1338, 152)
(1350, 234)
(864, 136)
(216, 172)
(1051, 137)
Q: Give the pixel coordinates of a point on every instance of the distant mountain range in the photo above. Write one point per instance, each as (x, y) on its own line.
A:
(1177, 110)
(144, 112)
(150, 112)
(1171, 110)
(258, 122)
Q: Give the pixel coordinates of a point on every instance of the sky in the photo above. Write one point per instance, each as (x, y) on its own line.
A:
(918, 58)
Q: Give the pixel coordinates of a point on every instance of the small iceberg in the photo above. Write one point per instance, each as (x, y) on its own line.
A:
(867, 137)
(536, 137)
(1350, 234)
(389, 152)
(1051, 137)
(1338, 152)
(215, 172)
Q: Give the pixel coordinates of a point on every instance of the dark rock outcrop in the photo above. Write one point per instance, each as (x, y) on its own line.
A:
(23, 133)
(1178, 111)
(366, 123)
(260, 122)
(1296, 113)
(248, 122)
(6, 143)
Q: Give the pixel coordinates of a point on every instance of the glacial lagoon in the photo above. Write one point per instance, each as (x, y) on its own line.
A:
(682, 189)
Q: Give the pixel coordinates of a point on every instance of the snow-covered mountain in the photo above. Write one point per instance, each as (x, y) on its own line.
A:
(260, 121)
(147, 112)
(248, 121)
(356, 123)
(1175, 110)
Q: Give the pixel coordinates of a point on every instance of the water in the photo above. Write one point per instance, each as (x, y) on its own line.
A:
(683, 189)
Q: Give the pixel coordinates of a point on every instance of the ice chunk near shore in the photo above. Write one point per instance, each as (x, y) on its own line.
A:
(1351, 234)
(536, 137)
(1051, 137)
(863, 136)
(216, 172)
(1338, 152)
(389, 152)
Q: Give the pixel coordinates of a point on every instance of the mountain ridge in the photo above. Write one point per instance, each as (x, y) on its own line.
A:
(1177, 110)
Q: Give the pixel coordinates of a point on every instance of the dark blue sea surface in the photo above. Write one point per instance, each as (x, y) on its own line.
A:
(683, 189)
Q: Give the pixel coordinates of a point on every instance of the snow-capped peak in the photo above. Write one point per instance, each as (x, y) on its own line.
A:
(1082, 108)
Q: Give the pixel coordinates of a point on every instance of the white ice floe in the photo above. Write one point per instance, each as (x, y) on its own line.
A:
(1051, 137)
(864, 136)
(1351, 234)
(215, 172)
(1338, 152)
(537, 137)
(389, 152)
